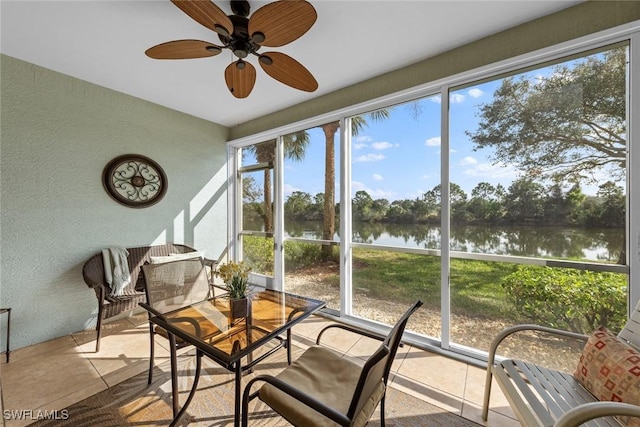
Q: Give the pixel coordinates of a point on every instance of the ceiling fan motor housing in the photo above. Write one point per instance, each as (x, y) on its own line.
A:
(240, 43)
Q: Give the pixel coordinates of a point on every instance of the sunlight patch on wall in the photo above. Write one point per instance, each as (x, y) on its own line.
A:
(161, 239)
(178, 227)
(206, 196)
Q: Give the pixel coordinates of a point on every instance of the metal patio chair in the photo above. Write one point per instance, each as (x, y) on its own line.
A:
(323, 388)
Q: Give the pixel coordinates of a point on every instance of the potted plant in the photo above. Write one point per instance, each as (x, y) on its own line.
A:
(235, 276)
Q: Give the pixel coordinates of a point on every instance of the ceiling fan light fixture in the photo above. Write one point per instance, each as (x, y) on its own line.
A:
(240, 65)
(266, 60)
(221, 30)
(240, 53)
(257, 37)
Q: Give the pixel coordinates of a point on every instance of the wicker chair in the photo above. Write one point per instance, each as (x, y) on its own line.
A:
(109, 306)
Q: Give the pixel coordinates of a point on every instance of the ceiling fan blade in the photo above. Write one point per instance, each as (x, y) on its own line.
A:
(208, 14)
(240, 81)
(287, 70)
(281, 22)
(183, 49)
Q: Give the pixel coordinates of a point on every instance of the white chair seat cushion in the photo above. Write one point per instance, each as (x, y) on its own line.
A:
(326, 376)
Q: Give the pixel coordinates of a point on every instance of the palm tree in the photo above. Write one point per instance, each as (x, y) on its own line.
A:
(295, 145)
(358, 123)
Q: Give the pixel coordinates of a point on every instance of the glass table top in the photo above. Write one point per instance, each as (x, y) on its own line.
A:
(211, 326)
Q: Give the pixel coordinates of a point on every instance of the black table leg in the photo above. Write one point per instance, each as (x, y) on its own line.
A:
(191, 393)
(8, 333)
(289, 346)
(236, 415)
(174, 374)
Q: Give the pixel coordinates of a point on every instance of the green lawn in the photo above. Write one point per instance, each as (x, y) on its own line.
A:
(403, 277)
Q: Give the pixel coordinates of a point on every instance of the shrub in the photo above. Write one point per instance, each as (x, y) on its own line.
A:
(568, 299)
(258, 253)
(300, 255)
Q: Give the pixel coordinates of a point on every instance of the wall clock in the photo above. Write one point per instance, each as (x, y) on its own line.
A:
(134, 180)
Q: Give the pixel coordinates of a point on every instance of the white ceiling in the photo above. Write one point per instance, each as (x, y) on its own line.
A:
(103, 42)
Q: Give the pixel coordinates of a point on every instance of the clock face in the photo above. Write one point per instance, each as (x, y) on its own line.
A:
(134, 180)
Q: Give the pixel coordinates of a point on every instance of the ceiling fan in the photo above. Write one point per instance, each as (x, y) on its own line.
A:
(273, 25)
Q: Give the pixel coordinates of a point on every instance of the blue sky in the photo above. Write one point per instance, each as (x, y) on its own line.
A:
(399, 157)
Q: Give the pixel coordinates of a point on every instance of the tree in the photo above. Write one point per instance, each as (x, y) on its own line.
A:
(485, 204)
(564, 126)
(379, 209)
(251, 195)
(358, 123)
(295, 145)
(297, 205)
(524, 201)
(362, 206)
(613, 205)
(555, 205)
(458, 203)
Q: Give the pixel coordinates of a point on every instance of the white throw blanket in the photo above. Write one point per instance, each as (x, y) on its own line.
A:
(116, 269)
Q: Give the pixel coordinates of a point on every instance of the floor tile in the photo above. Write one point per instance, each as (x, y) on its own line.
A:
(473, 412)
(339, 339)
(435, 371)
(428, 393)
(67, 370)
(124, 354)
(310, 327)
(40, 349)
(37, 381)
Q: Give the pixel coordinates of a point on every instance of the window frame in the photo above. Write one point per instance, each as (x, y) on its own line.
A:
(629, 33)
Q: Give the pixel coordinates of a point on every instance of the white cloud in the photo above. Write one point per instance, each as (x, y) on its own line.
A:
(382, 145)
(475, 92)
(360, 142)
(433, 142)
(436, 99)
(379, 193)
(363, 138)
(456, 98)
(370, 158)
(489, 170)
(467, 161)
(377, 177)
(376, 193)
(288, 189)
(357, 186)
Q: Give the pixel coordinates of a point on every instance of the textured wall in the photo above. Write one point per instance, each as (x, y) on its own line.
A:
(57, 134)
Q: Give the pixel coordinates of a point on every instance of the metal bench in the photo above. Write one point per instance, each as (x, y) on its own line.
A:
(546, 397)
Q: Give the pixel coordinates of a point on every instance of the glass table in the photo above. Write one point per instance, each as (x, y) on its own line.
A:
(210, 326)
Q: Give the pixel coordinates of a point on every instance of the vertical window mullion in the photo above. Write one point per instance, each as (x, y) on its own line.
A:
(633, 167)
(278, 215)
(346, 234)
(234, 203)
(445, 300)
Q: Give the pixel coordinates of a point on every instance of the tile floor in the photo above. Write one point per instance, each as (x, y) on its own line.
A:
(55, 374)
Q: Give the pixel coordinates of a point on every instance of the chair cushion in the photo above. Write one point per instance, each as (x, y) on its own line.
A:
(176, 257)
(610, 370)
(326, 376)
